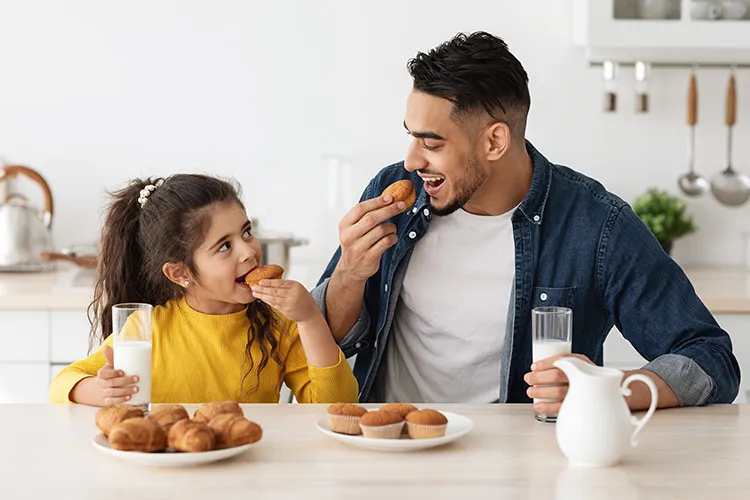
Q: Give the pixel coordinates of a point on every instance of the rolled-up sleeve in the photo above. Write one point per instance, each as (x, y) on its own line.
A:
(358, 331)
(656, 308)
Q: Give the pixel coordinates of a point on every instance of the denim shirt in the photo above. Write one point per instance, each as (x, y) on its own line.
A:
(577, 246)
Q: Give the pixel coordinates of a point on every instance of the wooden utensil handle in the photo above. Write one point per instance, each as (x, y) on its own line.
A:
(731, 115)
(692, 104)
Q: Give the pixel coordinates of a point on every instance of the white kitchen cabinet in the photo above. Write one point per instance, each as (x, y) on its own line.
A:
(24, 382)
(617, 30)
(69, 336)
(24, 336)
(618, 353)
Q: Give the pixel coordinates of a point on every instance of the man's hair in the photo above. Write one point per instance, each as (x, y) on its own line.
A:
(476, 73)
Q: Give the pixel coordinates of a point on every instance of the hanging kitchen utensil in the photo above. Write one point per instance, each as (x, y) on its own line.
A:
(691, 183)
(610, 86)
(24, 230)
(642, 70)
(730, 187)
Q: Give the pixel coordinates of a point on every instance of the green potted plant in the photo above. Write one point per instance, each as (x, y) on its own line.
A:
(665, 216)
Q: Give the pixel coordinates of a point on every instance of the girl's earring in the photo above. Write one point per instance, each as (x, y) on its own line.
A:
(187, 283)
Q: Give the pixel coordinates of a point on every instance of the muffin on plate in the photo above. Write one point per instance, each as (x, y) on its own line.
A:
(382, 424)
(402, 409)
(344, 418)
(426, 424)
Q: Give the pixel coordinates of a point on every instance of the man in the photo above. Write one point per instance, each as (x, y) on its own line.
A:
(436, 301)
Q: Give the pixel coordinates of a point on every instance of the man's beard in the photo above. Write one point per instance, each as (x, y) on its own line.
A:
(465, 188)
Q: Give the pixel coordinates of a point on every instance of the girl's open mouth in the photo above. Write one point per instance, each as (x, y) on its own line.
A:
(241, 280)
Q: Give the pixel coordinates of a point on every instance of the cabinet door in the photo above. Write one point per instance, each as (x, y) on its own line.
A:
(69, 336)
(24, 336)
(24, 382)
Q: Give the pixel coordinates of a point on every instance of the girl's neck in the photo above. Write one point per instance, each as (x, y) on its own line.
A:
(212, 306)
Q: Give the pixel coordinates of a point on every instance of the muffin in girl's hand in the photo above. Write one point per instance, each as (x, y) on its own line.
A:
(425, 424)
(382, 424)
(344, 418)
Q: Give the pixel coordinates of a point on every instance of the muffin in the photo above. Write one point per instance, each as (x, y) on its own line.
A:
(425, 424)
(344, 418)
(402, 409)
(382, 424)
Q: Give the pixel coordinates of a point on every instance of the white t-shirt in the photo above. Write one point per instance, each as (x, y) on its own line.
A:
(450, 319)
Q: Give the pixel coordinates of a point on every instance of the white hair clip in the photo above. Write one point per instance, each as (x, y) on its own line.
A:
(146, 192)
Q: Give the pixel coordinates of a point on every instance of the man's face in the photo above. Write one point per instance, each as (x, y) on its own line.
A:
(441, 153)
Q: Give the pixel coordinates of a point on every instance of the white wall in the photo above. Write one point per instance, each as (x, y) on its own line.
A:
(95, 92)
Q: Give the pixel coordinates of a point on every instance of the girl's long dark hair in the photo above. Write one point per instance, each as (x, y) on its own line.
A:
(136, 241)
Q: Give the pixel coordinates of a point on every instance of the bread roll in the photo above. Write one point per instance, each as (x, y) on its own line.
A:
(168, 415)
(269, 272)
(208, 411)
(108, 417)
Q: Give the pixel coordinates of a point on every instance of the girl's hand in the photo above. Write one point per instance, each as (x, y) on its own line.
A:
(109, 387)
(290, 298)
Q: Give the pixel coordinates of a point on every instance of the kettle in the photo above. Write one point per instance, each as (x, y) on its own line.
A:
(24, 230)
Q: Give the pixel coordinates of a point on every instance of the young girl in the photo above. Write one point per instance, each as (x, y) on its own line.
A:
(184, 244)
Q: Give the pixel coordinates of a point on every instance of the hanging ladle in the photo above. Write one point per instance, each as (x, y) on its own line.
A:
(731, 187)
(691, 183)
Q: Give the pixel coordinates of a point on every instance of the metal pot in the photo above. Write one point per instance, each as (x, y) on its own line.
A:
(24, 230)
(276, 249)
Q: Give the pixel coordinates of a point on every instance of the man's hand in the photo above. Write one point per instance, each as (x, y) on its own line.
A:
(544, 372)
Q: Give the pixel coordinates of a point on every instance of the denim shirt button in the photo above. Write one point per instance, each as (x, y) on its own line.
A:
(358, 345)
(414, 210)
(386, 287)
(412, 235)
(543, 297)
(537, 218)
(426, 212)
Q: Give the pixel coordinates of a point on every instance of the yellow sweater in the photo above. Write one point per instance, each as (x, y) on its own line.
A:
(201, 357)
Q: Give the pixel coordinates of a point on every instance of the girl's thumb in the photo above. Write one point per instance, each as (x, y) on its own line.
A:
(109, 355)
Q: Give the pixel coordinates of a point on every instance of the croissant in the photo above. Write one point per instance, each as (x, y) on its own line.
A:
(108, 417)
(208, 411)
(191, 436)
(234, 430)
(138, 434)
(168, 415)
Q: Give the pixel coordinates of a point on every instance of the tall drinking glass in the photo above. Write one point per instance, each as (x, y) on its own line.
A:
(552, 329)
(131, 327)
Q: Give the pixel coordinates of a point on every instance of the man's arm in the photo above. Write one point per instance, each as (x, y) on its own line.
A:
(364, 236)
(656, 308)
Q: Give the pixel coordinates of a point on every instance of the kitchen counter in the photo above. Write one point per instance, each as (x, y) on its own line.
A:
(724, 291)
(682, 453)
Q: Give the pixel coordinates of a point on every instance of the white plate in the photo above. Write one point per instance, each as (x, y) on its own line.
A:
(167, 458)
(458, 426)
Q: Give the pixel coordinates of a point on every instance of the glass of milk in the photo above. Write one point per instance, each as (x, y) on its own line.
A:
(552, 329)
(131, 327)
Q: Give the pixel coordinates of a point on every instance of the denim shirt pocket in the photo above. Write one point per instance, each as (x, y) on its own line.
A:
(554, 297)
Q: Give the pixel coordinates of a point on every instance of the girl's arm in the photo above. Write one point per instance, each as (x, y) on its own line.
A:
(316, 370)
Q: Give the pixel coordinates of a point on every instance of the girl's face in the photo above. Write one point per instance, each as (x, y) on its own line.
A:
(229, 251)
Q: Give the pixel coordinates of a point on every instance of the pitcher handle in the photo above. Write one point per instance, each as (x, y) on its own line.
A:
(639, 423)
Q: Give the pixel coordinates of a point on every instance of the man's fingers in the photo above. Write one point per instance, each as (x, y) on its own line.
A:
(548, 363)
(376, 234)
(361, 209)
(374, 218)
(548, 392)
(554, 376)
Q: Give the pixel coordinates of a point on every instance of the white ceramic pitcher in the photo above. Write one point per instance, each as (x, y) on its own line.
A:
(594, 425)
